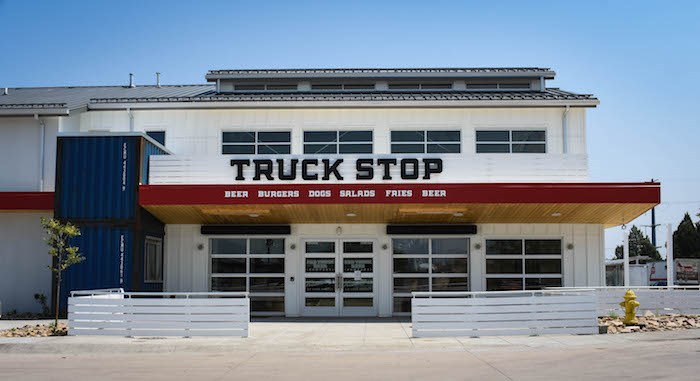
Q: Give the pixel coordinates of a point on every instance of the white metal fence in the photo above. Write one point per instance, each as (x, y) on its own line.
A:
(118, 313)
(658, 300)
(503, 313)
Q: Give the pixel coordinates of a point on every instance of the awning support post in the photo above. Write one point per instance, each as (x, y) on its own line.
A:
(626, 258)
(669, 256)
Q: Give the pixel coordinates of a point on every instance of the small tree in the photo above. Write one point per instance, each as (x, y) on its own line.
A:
(686, 239)
(58, 236)
(639, 244)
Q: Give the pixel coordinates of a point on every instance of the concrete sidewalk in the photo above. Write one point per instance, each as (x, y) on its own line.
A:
(319, 336)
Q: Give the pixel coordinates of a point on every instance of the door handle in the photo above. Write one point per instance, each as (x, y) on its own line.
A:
(339, 282)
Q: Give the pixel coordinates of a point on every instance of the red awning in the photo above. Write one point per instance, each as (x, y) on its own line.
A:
(26, 201)
(608, 204)
(474, 193)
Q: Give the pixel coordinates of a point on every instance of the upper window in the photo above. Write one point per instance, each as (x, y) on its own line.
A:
(515, 141)
(335, 142)
(251, 142)
(426, 141)
(158, 136)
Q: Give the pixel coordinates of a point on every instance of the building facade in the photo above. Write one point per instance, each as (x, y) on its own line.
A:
(322, 192)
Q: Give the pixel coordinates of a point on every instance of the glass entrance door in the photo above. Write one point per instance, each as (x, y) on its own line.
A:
(339, 278)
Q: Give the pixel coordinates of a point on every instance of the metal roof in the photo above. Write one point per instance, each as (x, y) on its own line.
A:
(551, 94)
(213, 75)
(70, 98)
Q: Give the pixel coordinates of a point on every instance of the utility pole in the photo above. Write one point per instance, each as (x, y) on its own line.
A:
(653, 227)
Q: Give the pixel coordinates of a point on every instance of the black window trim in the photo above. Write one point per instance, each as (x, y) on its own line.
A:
(426, 143)
(510, 142)
(338, 143)
(256, 143)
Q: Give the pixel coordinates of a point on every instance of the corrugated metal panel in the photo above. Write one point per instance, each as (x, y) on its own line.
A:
(108, 260)
(96, 178)
(148, 150)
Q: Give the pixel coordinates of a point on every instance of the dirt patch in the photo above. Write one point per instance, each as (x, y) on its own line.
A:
(651, 323)
(38, 330)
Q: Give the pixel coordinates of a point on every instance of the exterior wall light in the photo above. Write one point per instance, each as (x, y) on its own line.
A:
(385, 246)
(477, 246)
(339, 230)
(569, 246)
(200, 246)
(292, 246)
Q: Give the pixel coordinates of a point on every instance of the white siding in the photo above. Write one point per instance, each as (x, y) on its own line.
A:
(187, 268)
(24, 262)
(193, 132)
(582, 265)
(20, 154)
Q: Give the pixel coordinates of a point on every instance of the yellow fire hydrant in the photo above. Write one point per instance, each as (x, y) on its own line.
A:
(630, 305)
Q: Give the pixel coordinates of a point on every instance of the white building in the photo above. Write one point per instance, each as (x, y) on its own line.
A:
(327, 192)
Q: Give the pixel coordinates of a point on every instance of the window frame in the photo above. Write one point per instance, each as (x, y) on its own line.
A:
(425, 142)
(510, 142)
(523, 275)
(338, 143)
(158, 241)
(256, 143)
(430, 275)
(248, 275)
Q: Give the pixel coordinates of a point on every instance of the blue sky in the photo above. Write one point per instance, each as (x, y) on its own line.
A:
(641, 58)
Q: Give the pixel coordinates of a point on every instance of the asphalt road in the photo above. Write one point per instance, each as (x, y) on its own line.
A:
(659, 357)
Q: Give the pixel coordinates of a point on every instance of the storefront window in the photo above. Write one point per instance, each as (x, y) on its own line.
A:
(428, 264)
(255, 265)
(523, 264)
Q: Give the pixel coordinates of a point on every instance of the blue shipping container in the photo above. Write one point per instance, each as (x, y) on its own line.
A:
(97, 178)
(108, 260)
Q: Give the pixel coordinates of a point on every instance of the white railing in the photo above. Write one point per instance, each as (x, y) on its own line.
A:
(503, 313)
(661, 300)
(118, 313)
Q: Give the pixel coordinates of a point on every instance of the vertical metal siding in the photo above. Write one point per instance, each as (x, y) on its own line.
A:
(149, 149)
(97, 188)
(108, 260)
(97, 178)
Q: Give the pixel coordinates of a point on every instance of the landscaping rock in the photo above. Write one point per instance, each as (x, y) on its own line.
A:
(650, 322)
(38, 330)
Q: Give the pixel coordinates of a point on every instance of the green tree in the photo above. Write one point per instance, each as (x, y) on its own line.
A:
(686, 239)
(58, 236)
(639, 244)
